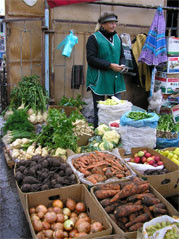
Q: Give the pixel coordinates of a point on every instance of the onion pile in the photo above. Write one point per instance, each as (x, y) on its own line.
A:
(59, 221)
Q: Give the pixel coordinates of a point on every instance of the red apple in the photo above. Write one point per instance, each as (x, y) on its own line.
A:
(155, 165)
(149, 159)
(137, 159)
(147, 155)
(135, 155)
(157, 158)
(160, 163)
(151, 162)
(144, 159)
(153, 157)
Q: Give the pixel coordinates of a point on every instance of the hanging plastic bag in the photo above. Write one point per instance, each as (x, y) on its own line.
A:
(67, 44)
(127, 47)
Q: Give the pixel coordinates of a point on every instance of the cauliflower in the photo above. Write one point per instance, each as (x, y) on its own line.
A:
(111, 136)
(106, 146)
(101, 129)
(60, 151)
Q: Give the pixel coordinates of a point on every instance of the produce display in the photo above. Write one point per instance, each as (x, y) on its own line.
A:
(173, 155)
(114, 124)
(104, 139)
(63, 220)
(129, 203)
(74, 102)
(111, 102)
(166, 127)
(144, 157)
(29, 95)
(43, 173)
(100, 166)
(81, 127)
(137, 115)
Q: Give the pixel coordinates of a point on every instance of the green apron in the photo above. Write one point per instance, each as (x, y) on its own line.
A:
(106, 82)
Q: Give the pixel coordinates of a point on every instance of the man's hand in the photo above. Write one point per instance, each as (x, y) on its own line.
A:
(115, 67)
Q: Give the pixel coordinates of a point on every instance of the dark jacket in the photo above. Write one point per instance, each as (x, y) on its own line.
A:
(92, 51)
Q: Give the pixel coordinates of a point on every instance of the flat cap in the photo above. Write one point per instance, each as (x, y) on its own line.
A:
(107, 17)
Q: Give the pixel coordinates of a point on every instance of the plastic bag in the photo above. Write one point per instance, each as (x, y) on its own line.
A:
(107, 113)
(67, 44)
(132, 137)
(159, 234)
(149, 122)
(167, 143)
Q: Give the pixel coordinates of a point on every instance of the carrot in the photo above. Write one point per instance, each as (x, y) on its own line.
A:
(148, 200)
(135, 227)
(130, 189)
(111, 208)
(159, 210)
(126, 210)
(138, 202)
(105, 202)
(94, 178)
(101, 194)
(147, 210)
(139, 196)
(132, 217)
(159, 205)
(142, 218)
(113, 186)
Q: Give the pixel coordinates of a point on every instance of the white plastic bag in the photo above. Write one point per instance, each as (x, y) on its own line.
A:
(132, 137)
(107, 113)
(160, 233)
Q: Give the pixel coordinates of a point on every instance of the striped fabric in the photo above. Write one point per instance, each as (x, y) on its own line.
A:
(154, 50)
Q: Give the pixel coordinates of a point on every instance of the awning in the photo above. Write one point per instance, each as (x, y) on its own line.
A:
(56, 3)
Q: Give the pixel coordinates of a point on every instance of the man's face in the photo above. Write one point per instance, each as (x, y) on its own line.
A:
(109, 26)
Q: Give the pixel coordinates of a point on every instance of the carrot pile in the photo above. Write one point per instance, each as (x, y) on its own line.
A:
(129, 203)
(100, 166)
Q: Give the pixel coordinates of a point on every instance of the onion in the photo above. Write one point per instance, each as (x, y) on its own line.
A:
(74, 219)
(60, 218)
(73, 214)
(82, 215)
(46, 225)
(40, 235)
(41, 208)
(40, 214)
(70, 203)
(57, 210)
(80, 207)
(68, 225)
(38, 226)
(66, 211)
(81, 234)
(58, 226)
(96, 227)
(65, 217)
(34, 217)
(73, 233)
(50, 217)
(57, 203)
(84, 227)
(58, 234)
(48, 233)
(32, 210)
(65, 234)
(50, 209)
(80, 220)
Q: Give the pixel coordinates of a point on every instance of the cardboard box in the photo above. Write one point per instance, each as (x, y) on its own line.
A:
(175, 113)
(166, 184)
(173, 46)
(171, 66)
(132, 235)
(167, 85)
(23, 195)
(67, 109)
(76, 192)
